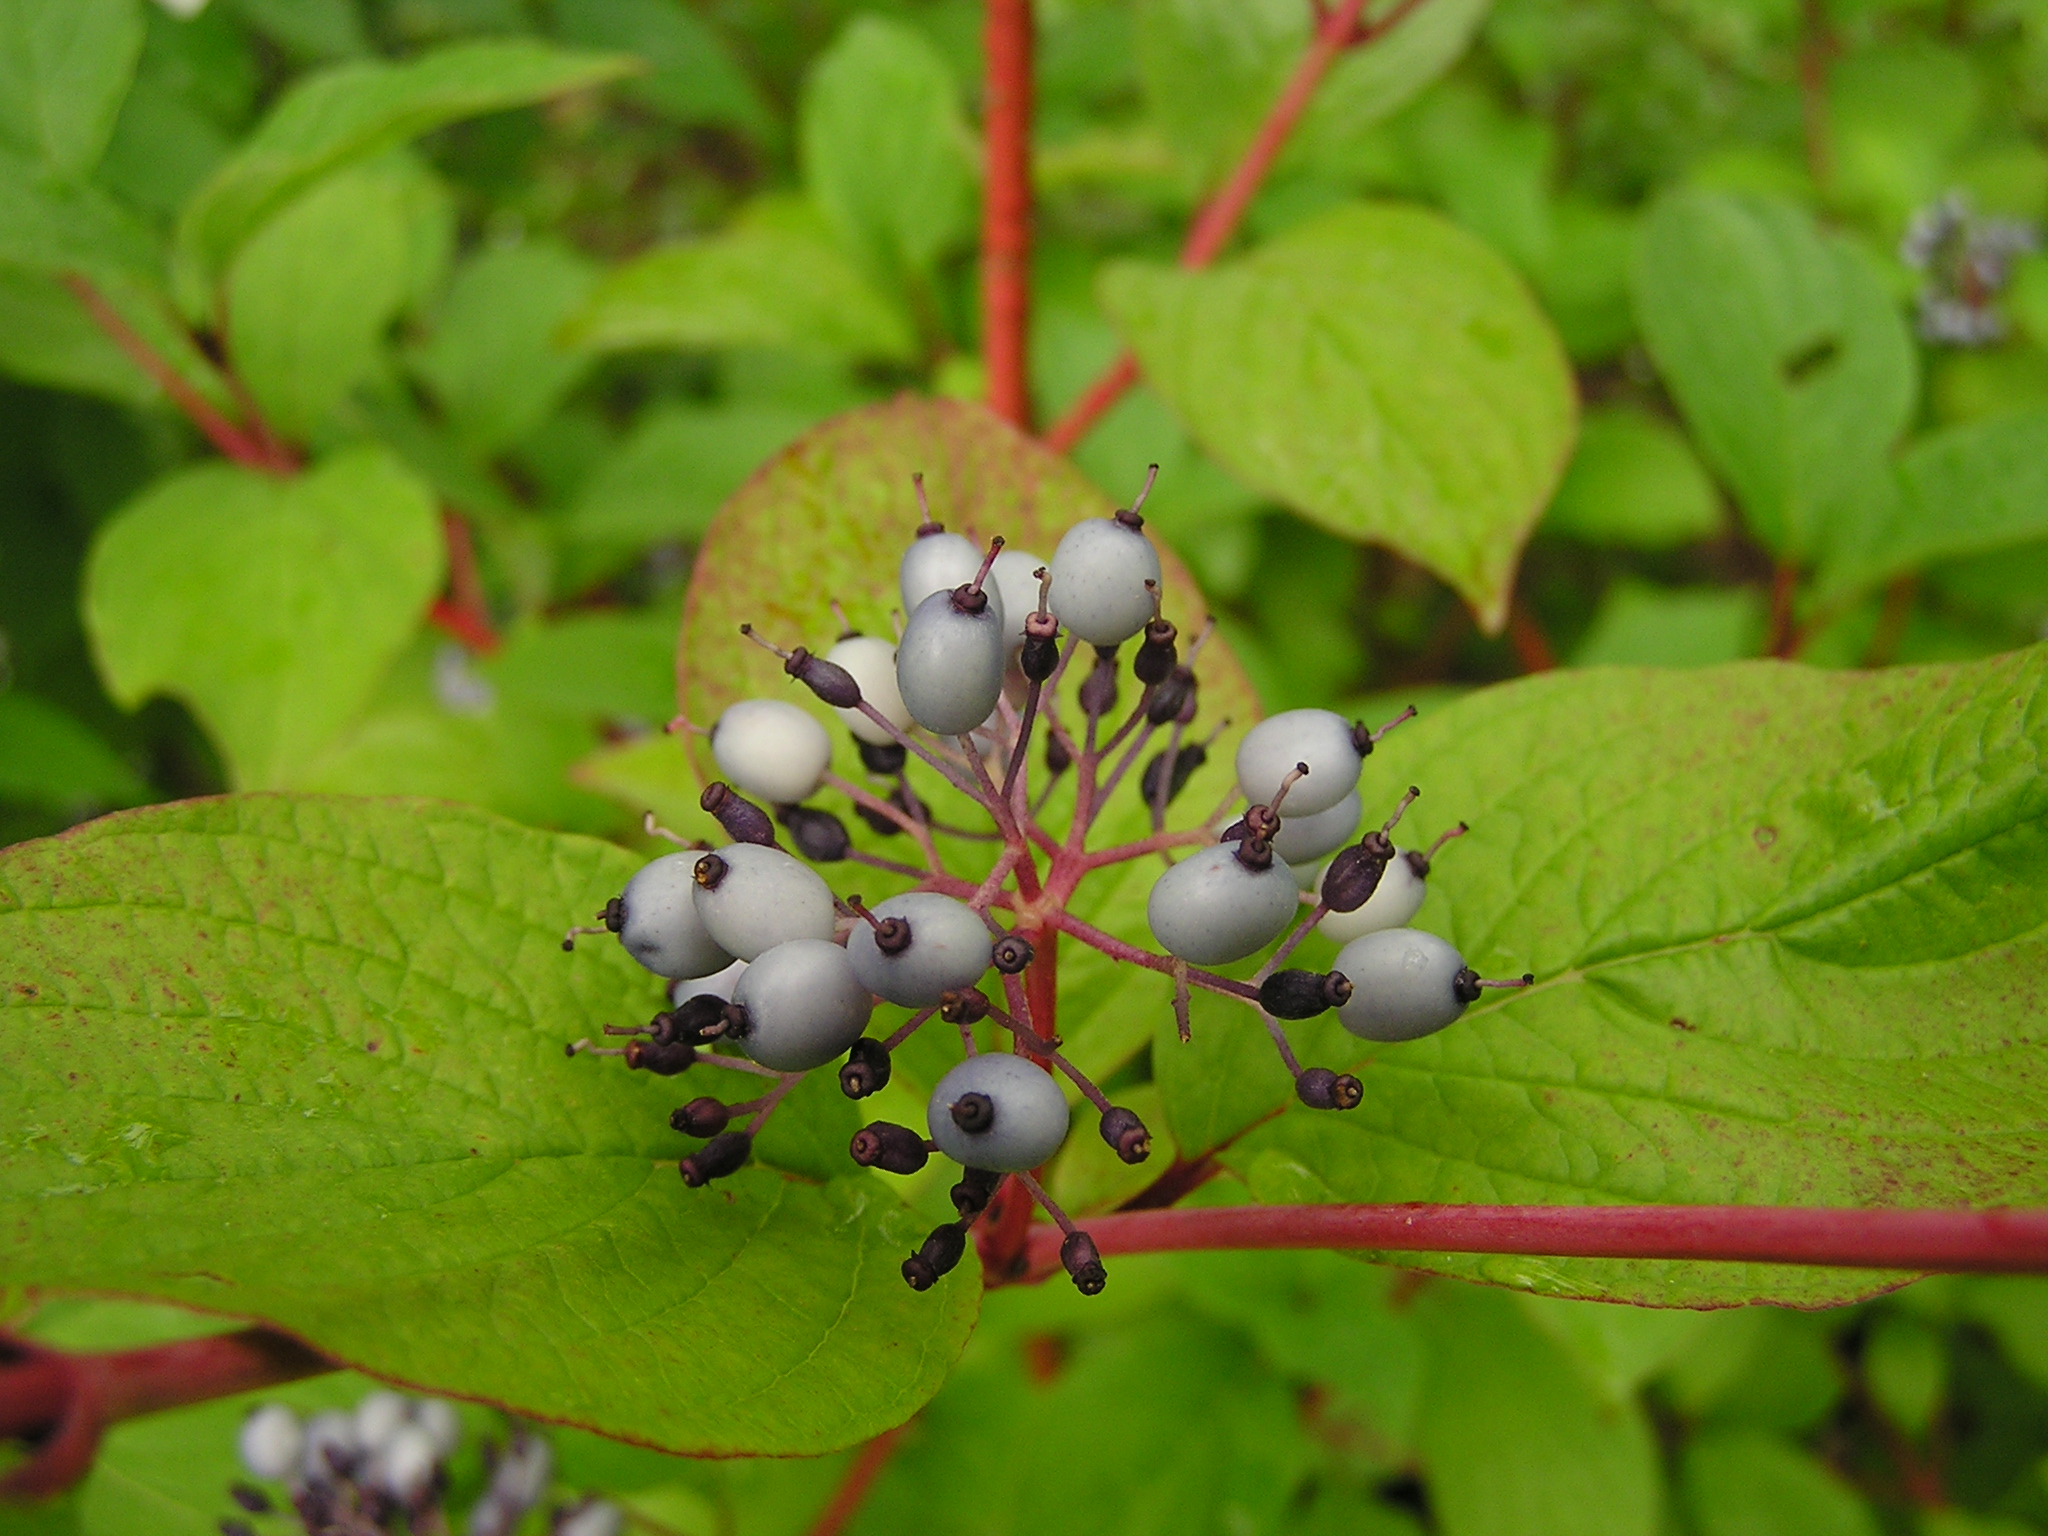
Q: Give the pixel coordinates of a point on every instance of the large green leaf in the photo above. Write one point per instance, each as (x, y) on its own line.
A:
(311, 293)
(1635, 482)
(1789, 359)
(1749, 1484)
(47, 338)
(1967, 490)
(1378, 369)
(694, 77)
(51, 226)
(270, 606)
(774, 279)
(64, 68)
(1790, 930)
(300, 1059)
(886, 154)
(352, 111)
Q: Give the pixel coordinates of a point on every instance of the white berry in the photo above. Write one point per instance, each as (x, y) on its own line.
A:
(771, 749)
(380, 1416)
(804, 1005)
(1015, 577)
(404, 1468)
(597, 1518)
(330, 1440)
(1317, 737)
(948, 950)
(1302, 840)
(872, 661)
(1393, 904)
(662, 926)
(949, 664)
(1029, 1121)
(1210, 909)
(1403, 984)
(762, 897)
(935, 562)
(1099, 573)
(441, 1422)
(717, 984)
(272, 1442)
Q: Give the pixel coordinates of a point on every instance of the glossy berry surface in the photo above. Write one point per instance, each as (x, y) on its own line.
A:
(1393, 904)
(1302, 840)
(663, 928)
(1317, 737)
(717, 984)
(949, 664)
(272, 1442)
(1403, 985)
(1030, 1119)
(803, 1003)
(771, 749)
(762, 898)
(872, 662)
(1210, 909)
(1099, 574)
(1015, 578)
(948, 950)
(935, 562)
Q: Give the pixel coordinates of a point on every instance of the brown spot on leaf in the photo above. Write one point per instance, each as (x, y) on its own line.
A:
(1681, 1024)
(1765, 836)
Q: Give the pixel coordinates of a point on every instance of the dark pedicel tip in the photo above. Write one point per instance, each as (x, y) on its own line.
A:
(1078, 1254)
(661, 1060)
(1040, 657)
(1303, 994)
(1057, 758)
(704, 1117)
(1320, 1088)
(944, 1247)
(721, 1155)
(251, 1498)
(919, 1275)
(866, 1069)
(974, 1113)
(1172, 698)
(1185, 762)
(743, 821)
(1011, 953)
(1098, 689)
(976, 1188)
(967, 1006)
(827, 679)
(1255, 854)
(819, 835)
(888, 758)
(890, 1147)
(709, 871)
(1126, 1134)
(614, 914)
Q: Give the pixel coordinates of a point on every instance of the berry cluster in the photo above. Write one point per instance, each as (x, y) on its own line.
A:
(773, 975)
(384, 1468)
(1967, 259)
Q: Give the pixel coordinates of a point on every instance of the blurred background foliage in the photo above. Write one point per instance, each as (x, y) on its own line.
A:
(1790, 249)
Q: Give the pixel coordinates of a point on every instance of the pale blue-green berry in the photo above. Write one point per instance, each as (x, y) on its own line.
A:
(1015, 578)
(1209, 909)
(1271, 749)
(803, 1005)
(949, 663)
(330, 1443)
(872, 662)
(1302, 840)
(1404, 984)
(380, 1416)
(935, 562)
(403, 1468)
(661, 923)
(717, 984)
(441, 1422)
(1393, 903)
(945, 949)
(755, 897)
(1099, 581)
(1018, 1122)
(272, 1443)
(771, 749)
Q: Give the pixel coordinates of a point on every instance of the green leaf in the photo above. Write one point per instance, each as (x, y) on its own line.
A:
(493, 362)
(47, 338)
(1379, 370)
(64, 68)
(1757, 1367)
(1749, 1484)
(694, 79)
(163, 147)
(270, 606)
(310, 295)
(668, 479)
(1905, 1365)
(1639, 624)
(1796, 965)
(774, 279)
(1515, 1440)
(330, 1093)
(50, 226)
(886, 154)
(1618, 1348)
(1367, 85)
(48, 759)
(1967, 490)
(1788, 358)
(1634, 482)
(351, 112)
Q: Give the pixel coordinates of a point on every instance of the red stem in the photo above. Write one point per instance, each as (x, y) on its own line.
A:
(1006, 211)
(243, 447)
(464, 613)
(1532, 645)
(853, 1488)
(64, 1402)
(1338, 30)
(1945, 1241)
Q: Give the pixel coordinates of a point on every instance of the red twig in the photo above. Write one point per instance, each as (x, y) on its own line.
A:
(1336, 30)
(1006, 211)
(64, 1402)
(243, 447)
(1783, 639)
(1532, 645)
(1945, 1241)
(853, 1488)
(463, 614)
